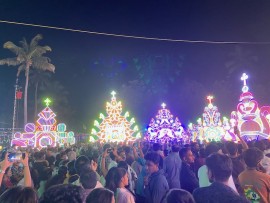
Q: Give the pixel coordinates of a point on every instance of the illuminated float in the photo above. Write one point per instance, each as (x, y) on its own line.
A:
(115, 127)
(46, 132)
(252, 121)
(164, 128)
(210, 127)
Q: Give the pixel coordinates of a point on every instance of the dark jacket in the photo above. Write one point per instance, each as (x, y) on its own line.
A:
(156, 188)
(217, 193)
(188, 179)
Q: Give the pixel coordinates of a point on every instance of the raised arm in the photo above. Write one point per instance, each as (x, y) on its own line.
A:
(3, 166)
(237, 133)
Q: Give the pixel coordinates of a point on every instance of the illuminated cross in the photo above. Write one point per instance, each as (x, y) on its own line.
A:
(163, 105)
(47, 101)
(113, 94)
(244, 78)
(209, 98)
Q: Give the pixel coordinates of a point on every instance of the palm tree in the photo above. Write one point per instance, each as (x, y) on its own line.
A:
(28, 56)
(38, 79)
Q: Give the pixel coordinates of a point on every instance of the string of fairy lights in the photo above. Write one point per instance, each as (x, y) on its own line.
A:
(134, 36)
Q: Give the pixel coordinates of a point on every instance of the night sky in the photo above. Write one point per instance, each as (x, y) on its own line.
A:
(144, 73)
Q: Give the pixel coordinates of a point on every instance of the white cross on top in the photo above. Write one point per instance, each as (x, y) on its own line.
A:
(47, 101)
(113, 93)
(163, 105)
(209, 98)
(244, 78)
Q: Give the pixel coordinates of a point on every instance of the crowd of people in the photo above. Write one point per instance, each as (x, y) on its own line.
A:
(141, 172)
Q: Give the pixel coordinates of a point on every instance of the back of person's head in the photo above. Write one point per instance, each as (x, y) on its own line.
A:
(155, 158)
(122, 164)
(62, 171)
(100, 195)
(54, 180)
(106, 146)
(178, 196)
(110, 184)
(157, 147)
(71, 168)
(211, 148)
(220, 166)
(175, 148)
(62, 194)
(88, 179)
(252, 157)
(80, 163)
(232, 148)
(260, 144)
(19, 194)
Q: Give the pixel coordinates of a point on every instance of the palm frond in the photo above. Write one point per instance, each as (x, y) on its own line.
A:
(10, 61)
(35, 40)
(39, 51)
(12, 47)
(25, 45)
(43, 63)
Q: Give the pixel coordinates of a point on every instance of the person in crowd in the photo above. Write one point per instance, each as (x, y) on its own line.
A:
(265, 162)
(202, 173)
(60, 158)
(188, 178)
(63, 193)
(172, 167)
(50, 157)
(88, 180)
(219, 171)
(19, 194)
(122, 195)
(255, 183)
(110, 183)
(58, 178)
(100, 195)
(238, 163)
(72, 175)
(156, 184)
(6, 182)
(71, 155)
(132, 176)
(178, 196)
(157, 147)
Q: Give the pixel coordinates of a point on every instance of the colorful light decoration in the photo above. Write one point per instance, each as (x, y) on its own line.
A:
(45, 132)
(253, 122)
(165, 129)
(210, 127)
(114, 127)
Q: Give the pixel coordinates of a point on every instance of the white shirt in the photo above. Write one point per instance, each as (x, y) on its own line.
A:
(124, 196)
(204, 180)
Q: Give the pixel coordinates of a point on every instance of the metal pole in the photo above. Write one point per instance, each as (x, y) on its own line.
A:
(14, 108)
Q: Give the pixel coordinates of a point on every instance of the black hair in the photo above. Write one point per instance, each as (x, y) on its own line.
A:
(183, 152)
(211, 148)
(220, 166)
(55, 180)
(19, 194)
(155, 158)
(252, 156)
(71, 168)
(178, 196)
(80, 162)
(232, 148)
(110, 178)
(120, 173)
(63, 193)
(62, 171)
(157, 146)
(100, 195)
(175, 148)
(88, 179)
(122, 164)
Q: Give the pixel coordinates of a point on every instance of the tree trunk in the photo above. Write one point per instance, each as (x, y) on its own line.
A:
(36, 92)
(25, 92)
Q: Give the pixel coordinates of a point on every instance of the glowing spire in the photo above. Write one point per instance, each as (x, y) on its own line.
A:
(244, 79)
(163, 105)
(113, 93)
(47, 101)
(210, 98)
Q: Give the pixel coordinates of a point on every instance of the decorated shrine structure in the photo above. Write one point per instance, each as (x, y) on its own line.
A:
(164, 128)
(210, 127)
(115, 127)
(46, 132)
(253, 122)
